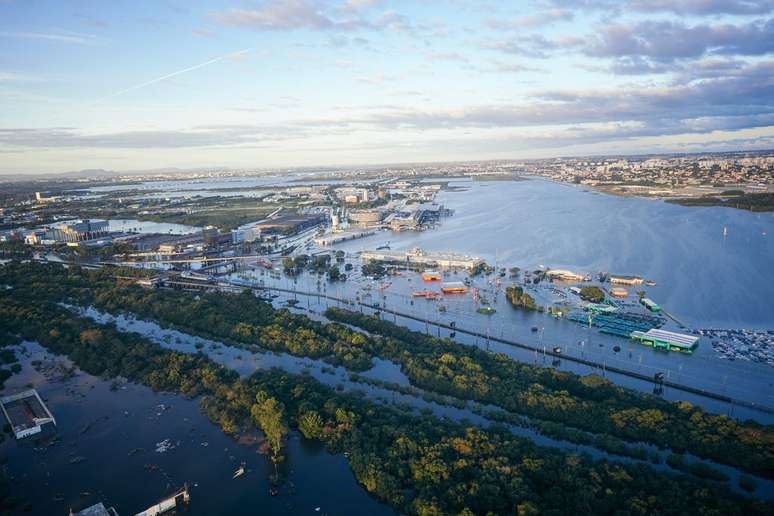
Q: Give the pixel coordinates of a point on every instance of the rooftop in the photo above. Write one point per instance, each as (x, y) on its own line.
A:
(677, 339)
(26, 413)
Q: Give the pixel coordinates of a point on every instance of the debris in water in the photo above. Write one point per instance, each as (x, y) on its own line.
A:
(165, 445)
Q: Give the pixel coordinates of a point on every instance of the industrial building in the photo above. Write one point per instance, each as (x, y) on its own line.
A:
(289, 224)
(667, 340)
(366, 217)
(454, 287)
(619, 292)
(245, 234)
(26, 413)
(74, 231)
(403, 221)
(210, 235)
(342, 236)
(353, 195)
(418, 256)
(564, 275)
(625, 280)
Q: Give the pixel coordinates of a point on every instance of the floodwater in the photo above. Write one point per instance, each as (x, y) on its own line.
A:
(107, 451)
(703, 278)
(247, 362)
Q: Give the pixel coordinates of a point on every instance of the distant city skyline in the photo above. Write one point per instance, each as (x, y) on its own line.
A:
(286, 83)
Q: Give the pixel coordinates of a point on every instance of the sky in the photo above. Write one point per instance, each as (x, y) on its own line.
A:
(136, 84)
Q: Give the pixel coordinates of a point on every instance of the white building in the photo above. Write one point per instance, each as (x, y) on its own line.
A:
(417, 255)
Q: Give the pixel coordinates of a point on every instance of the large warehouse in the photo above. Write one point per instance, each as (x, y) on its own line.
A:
(667, 340)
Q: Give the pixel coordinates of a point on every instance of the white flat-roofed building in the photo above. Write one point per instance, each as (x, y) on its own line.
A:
(625, 280)
(668, 340)
(418, 256)
(73, 231)
(564, 275)
(342, 236)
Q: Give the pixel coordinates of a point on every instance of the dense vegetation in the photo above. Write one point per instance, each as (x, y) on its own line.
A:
(419, 465)
(592, 293)
(374, 269)
(748, 201)
(7, 356)
(587, 403)
(518, 298)
(590, 403)
(481, 268)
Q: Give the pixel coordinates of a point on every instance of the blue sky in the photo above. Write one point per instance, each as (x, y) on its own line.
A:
(129, 85)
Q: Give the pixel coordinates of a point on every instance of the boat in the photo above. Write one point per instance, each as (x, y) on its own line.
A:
(534, 329)
(486, 310)
(650, 283)
(557, 349)
(240, 470)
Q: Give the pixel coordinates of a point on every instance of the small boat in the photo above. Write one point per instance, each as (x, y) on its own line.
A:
(557, 349)
(534, 328)
(240, 470)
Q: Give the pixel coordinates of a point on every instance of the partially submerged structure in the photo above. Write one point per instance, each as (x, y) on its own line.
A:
(667, 340)
(98, 509)
(177, 501)
(26, 413)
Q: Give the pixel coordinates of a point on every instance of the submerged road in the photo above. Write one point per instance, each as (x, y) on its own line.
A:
(546, 351)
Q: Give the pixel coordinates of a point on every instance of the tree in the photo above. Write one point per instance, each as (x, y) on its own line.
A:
(593, 294)
(373, 269)
(91, 336)
(333, 273)
(311, 425)
(269, 414)
(519, 298)
(288, 264)
(481, 268)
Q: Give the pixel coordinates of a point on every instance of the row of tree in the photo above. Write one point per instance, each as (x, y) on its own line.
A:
(418, 464)
(589, 403)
